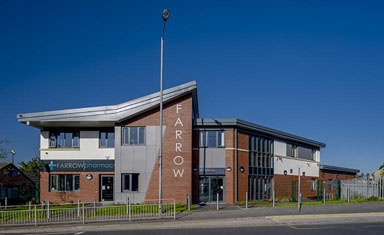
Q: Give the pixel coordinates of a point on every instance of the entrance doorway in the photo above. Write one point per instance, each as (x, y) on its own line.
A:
(106, 188)
(210, 187)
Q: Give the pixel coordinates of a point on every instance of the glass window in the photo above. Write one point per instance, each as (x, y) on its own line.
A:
(130, 182)
(133, 136)
(313, 185)
(64, 140)
(203, 138)
(211, 136)
(305, 153)
(107, 139)
(64, 183)
(141, 135)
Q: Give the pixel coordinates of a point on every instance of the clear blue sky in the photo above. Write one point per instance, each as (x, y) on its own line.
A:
(311, 68)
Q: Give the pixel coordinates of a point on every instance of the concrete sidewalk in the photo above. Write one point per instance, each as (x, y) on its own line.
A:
(342, 213)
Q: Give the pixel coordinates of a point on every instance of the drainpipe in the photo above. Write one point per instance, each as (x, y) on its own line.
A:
(236, 172)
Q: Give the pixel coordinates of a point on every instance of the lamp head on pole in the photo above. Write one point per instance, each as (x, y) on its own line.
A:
(12, 152)
(165, 15)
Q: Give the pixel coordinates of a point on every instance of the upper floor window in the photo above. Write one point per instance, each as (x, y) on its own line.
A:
(212, 139)
(291, 150)
(133, 135)
(306, 153)
(107, 139)
(64, 139)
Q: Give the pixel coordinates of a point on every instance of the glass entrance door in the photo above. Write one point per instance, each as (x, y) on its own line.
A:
(106, 188)
(210, 187)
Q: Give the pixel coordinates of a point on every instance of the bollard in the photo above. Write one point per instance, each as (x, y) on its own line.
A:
(323, 196)
(217, 201)
(5, 202)
(188, 202)
(48, 210)
(78, 207)
(273, 198)
(246, 200)
(348, 194)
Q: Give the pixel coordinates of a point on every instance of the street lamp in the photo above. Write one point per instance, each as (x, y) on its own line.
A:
(165, 18)
(13, 155)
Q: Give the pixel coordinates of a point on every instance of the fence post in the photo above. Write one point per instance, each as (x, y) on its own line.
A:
(188, 202)
(29, 209)
(78, 207)
(94, 207)
(48, 210)
(174, 209)
(6, 202)
(83, 214)
(217, 201)
(42, 208)
(35, 216)
(129, 211)
(273, 198)
(246, 200)
(348, 194)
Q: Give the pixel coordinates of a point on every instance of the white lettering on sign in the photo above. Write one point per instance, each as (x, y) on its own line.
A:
(178, 172)
(178, 160)
(179, 122)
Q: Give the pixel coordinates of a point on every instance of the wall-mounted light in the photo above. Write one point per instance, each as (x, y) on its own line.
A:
(303, 173)
(229, 169)
(242, 169)
(285, 172)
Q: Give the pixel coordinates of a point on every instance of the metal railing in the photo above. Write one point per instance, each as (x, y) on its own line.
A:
(362, 188)
(85, 212)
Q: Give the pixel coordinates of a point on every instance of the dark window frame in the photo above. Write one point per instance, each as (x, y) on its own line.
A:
(133, 186)
(54, 139)
(107, 139)
(125, 140)
(204, 139)
(75, 182)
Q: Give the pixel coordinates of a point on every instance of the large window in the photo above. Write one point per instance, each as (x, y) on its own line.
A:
(212, 139)
(306, 153)
(130, 182)
(64, 183)
(133, 136)
(64, 139)
(107, 139)
(291, 150)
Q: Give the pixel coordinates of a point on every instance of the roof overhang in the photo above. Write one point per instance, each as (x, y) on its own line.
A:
(107, 116)
(338, 169)
(233, 122)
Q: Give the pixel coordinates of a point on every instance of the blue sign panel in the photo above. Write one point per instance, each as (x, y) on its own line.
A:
(79, 165)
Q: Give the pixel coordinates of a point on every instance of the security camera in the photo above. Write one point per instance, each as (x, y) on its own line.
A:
(165, 14)
(12, 152)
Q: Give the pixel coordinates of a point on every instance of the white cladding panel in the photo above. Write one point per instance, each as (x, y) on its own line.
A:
(282, 164)
(89, 148)
(280, 148)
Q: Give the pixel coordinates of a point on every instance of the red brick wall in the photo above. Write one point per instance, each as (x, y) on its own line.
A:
(230, 162)
(173, 187)
(195, 167)
(283, 186)
(242, 158)
(89, 189)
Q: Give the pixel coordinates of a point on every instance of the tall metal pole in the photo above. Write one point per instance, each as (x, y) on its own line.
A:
(161, 121)
(298, 193)
(165, 18)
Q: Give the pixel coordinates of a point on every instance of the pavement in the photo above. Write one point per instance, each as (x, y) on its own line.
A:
(332, 219)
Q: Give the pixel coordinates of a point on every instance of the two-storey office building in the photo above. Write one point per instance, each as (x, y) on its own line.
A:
(111, 153)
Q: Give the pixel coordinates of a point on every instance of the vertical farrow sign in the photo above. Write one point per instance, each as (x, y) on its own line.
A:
(178, 160)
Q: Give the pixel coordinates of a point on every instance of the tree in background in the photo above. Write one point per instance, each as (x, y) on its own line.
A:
(381, 167)
(32, 167)
(4, 150)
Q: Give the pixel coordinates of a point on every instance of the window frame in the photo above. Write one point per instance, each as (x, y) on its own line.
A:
(123, 175)
(107, 139)
(55, 139)
(57, 182)
(126, 142)
(203, 138)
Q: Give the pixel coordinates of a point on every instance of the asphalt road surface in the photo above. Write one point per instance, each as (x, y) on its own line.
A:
(328, 229)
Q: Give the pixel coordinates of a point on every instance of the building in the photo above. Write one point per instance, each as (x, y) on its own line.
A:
(111, 153)
(15, 186)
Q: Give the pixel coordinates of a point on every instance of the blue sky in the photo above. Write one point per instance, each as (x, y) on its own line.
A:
(311, 68)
